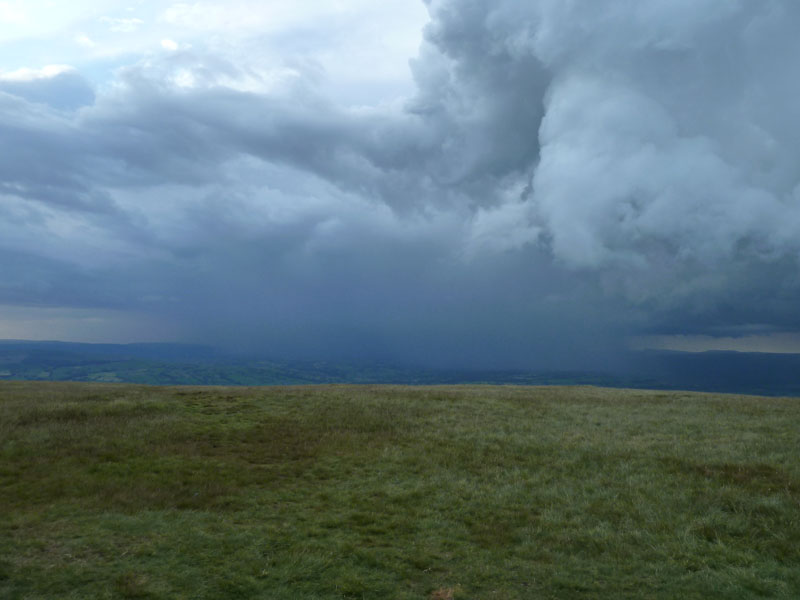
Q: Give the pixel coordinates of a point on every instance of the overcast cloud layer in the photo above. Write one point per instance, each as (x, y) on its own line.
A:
(515, 184)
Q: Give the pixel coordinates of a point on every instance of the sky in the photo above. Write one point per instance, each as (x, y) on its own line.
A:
(494, 183)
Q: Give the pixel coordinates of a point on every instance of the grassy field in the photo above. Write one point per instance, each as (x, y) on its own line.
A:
(121, 491)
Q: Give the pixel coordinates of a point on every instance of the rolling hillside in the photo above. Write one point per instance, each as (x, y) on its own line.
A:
(323, 492)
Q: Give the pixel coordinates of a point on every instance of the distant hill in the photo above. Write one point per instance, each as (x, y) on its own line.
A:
(182, 364)
(735, 372)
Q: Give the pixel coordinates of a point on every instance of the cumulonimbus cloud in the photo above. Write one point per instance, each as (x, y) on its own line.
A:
(662, 136)
(634, 164)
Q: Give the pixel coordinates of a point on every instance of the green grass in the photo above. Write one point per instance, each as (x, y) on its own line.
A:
(121, 491)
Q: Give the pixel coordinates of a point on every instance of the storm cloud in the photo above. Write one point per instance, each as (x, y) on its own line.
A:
(549, 180)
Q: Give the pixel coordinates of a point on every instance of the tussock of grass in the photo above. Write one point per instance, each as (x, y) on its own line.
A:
(115, 491)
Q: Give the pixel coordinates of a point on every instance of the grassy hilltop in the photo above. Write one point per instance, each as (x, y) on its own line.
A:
(122, 491)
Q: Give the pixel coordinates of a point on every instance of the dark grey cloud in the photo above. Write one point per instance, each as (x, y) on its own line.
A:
(666, 166)
(64, 90)
(565, 175)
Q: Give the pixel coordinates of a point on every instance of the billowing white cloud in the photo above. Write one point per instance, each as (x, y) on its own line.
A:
(84, 40)
(122, 24)
(27, 74)
(671, 134)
